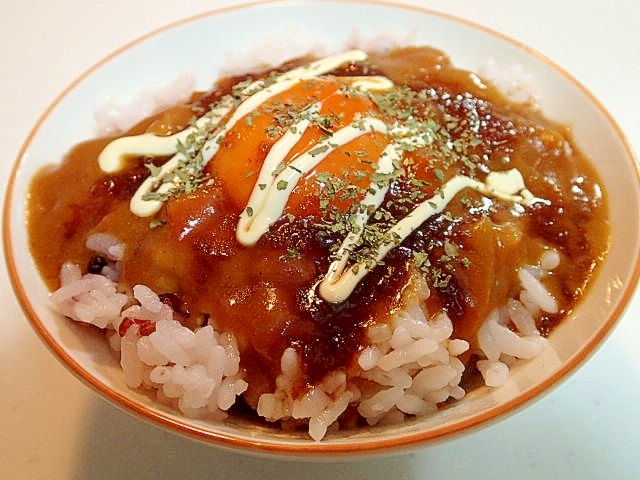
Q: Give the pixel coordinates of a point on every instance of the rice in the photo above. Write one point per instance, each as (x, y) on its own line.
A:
(512, 79)
(88, 298)
(197, 372)
(409, 367)
(114, 116)
(510, 331)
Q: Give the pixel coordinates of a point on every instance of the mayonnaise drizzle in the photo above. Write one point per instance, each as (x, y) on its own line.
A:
(272, 190)
(266, 206)
(111, 158)
(339, 282)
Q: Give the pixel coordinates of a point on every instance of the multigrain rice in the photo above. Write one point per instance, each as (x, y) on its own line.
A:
(409, 367)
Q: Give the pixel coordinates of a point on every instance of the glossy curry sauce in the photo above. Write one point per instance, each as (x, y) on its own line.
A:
(266, 293)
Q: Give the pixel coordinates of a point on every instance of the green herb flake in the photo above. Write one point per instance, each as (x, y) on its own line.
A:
(318, 150)
(291, 253)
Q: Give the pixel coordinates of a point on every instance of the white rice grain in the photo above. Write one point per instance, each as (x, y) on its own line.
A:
(457, 347)
(311, 404)
(442, 327)
(396, 377)
(432, 378)
(164, 341)
(486, 342)
(69, 272)
(147, 298)
(114, 116)
(511, 343)
(380, 403)
(533, 285)
(369, 358)
(400, 338)
(550, 260)
(379, 333)
(107, 245)
(522, 318)
(494, 373)
(229, 389)
(149, 354)
(319, 424)
(413, 405)
(333, 382)
(437, 396)
(131, 364)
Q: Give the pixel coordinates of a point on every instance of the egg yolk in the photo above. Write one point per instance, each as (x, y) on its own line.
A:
(342, 177)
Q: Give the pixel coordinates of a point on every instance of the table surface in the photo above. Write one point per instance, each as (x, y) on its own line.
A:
(52, 426)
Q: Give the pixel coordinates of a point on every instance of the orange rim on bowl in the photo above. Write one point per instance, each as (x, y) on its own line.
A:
(616, 284)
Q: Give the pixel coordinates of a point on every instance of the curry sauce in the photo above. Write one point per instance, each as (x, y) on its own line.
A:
(266, 293)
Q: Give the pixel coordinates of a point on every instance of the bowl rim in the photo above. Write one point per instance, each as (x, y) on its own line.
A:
(309, 449)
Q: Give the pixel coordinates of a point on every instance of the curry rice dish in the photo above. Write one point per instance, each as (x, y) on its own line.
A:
(350, 240)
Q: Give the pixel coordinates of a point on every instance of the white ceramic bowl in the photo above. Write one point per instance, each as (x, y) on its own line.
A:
(240, 35)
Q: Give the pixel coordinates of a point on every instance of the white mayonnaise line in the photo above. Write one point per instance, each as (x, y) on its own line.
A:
(144, 208)
(111, 158)
(338, 285)
(372, 83)
(371, 202)
(273, 203)
(324, 65)
(266, 177)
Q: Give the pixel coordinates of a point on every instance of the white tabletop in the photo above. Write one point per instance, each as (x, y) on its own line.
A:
(52, 426)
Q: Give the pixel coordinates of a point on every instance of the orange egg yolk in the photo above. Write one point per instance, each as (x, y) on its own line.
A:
(244, 148)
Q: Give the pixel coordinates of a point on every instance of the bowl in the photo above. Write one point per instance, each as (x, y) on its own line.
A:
(167, 53)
